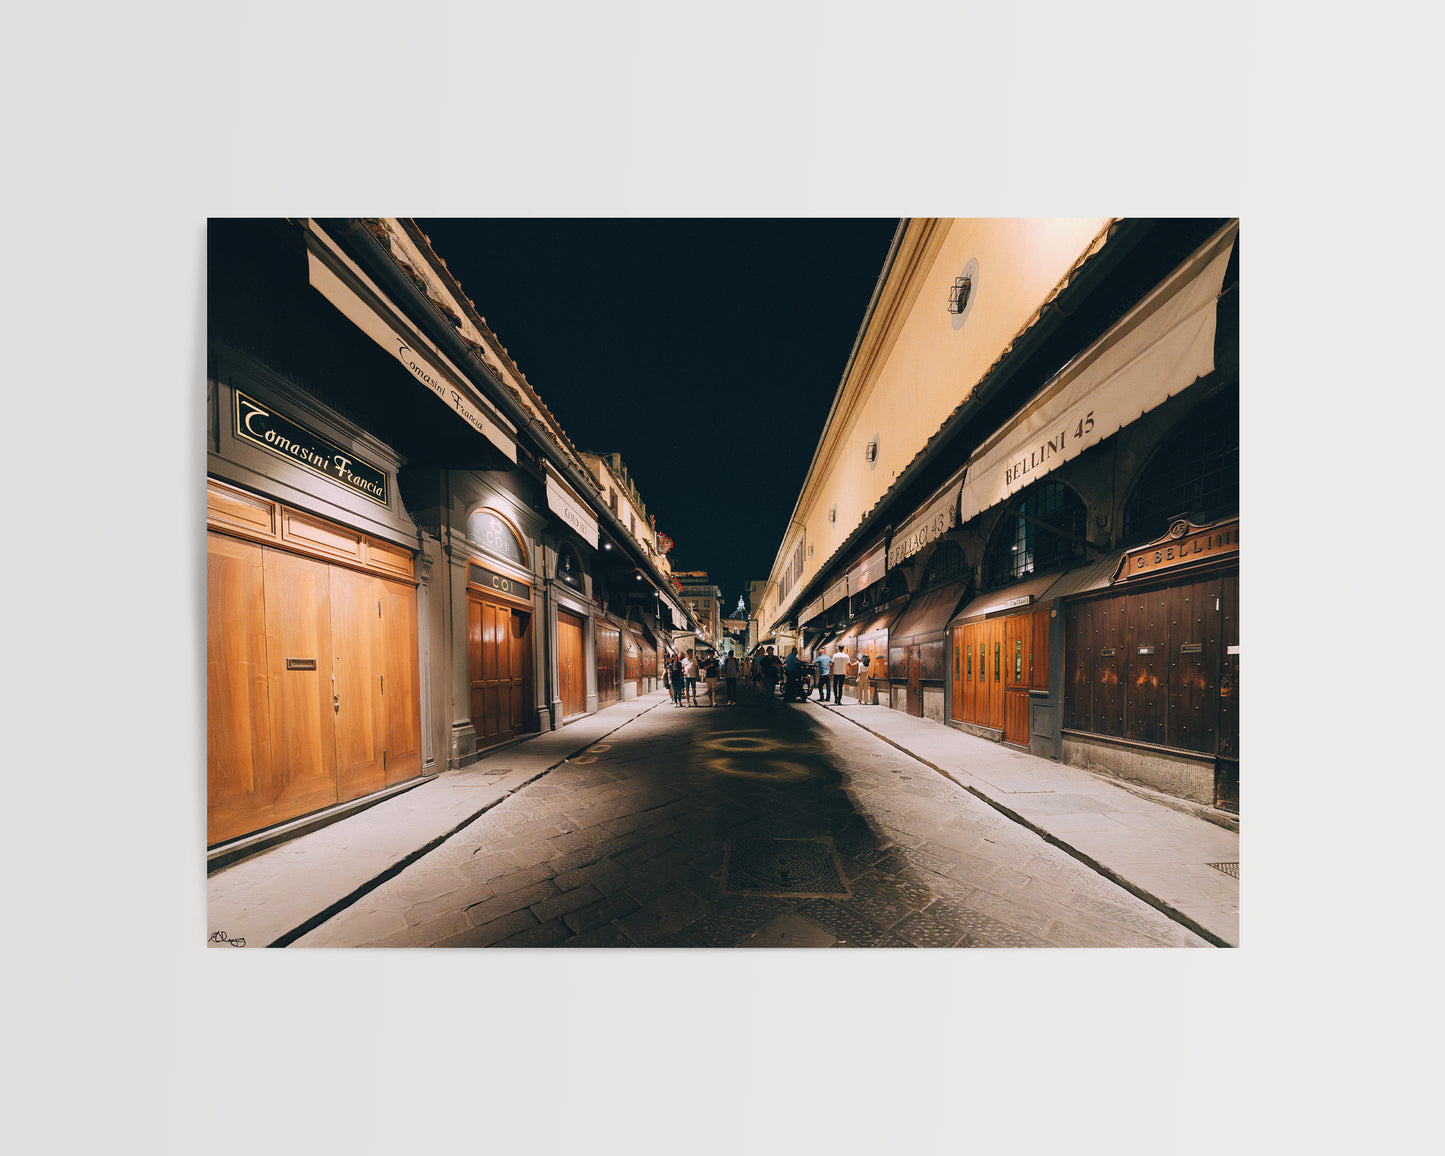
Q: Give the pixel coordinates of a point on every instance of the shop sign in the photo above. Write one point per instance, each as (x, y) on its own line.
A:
(491, 580)
(263, 426)
(934, 522)
(1185, 545)
(1012, 602)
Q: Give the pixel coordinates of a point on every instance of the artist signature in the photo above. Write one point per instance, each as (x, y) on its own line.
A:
(220, 937)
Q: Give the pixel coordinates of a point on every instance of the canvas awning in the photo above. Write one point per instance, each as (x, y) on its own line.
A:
(342, 282)
(835, 593)
(880, 622)
(868, 570)
(934, 518)
(927, 614)
(1018, 596)
(1158, 349)
(571, 509)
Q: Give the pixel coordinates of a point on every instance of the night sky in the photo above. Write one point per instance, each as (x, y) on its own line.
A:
(705, 352)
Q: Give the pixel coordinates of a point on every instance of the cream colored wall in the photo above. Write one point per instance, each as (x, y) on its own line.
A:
(913, 368)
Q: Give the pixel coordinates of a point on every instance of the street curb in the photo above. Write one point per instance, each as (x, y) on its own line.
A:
(395, 869)
(1083, 857)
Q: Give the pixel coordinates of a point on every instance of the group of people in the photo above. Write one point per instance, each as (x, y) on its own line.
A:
(837, 668)
(682, 672)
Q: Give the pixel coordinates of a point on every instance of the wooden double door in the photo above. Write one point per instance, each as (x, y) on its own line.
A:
(609, 664)
(311, 682)
(996, 663)
(1158, 666)
(571, 663)
(499, 668)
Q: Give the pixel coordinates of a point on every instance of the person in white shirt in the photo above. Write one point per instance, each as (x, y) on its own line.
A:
(689, 672)
(840, 672)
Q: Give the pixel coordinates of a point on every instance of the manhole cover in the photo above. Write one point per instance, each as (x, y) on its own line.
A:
(491, 772)
(798, 868)
(1227, 868)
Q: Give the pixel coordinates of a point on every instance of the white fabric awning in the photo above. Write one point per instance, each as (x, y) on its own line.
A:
(1158, 349)
(868, 571)
(937, 517)
(835, 593)
(570, 508)
(338, 279)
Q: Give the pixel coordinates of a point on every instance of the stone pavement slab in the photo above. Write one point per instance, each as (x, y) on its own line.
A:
(274, 896)
(1154, 850)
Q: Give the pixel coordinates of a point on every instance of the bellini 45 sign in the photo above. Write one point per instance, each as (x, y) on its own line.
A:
(263, 426)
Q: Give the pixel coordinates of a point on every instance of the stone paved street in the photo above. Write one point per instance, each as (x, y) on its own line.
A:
(752, 826)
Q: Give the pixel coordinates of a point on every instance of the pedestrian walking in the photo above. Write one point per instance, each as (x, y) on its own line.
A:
(864, 684)
(840, 673)
(768, 666)
(689, 674)
(731, 670)
(823, 664)
(710, 674)
(674, 670)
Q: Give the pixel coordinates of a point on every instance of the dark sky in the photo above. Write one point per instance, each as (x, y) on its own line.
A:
(705, 352)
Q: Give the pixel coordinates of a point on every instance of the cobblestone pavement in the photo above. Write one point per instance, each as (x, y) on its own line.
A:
(760, 825)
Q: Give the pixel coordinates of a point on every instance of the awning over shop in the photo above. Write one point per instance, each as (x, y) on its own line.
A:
(869, 570)
(1015, 597)
(571, 509)
(1158, 349)
(1095, 576)
(811, 611)
(835, 593)
(935, 517)
(879, 622)
(341, 281)
(927, 614)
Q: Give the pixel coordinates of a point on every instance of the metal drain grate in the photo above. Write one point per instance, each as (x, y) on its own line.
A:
(1227, 868)
(492, 772)
(790, 868)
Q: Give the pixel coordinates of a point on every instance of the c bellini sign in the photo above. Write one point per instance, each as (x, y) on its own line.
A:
(263, 426)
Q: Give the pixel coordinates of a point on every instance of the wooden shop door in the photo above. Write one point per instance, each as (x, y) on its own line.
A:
(956, 697)
(497, 666)
(377, 704)
(312, 685)
(571, 664)
(1018, 677)
(609, 660)
(915, 681)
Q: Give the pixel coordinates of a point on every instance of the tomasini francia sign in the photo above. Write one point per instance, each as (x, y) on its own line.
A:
(263, 426)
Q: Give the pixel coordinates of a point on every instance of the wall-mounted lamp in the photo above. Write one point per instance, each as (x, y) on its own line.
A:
(958, 295)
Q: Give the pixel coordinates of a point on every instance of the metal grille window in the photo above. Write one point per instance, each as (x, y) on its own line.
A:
(1195, 471)
(1042, 530)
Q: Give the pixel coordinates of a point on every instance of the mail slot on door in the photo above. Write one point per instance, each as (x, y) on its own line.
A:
(300, 664)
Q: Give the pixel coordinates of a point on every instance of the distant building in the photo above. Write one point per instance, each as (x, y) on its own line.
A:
(735, 633)
(701, 600)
